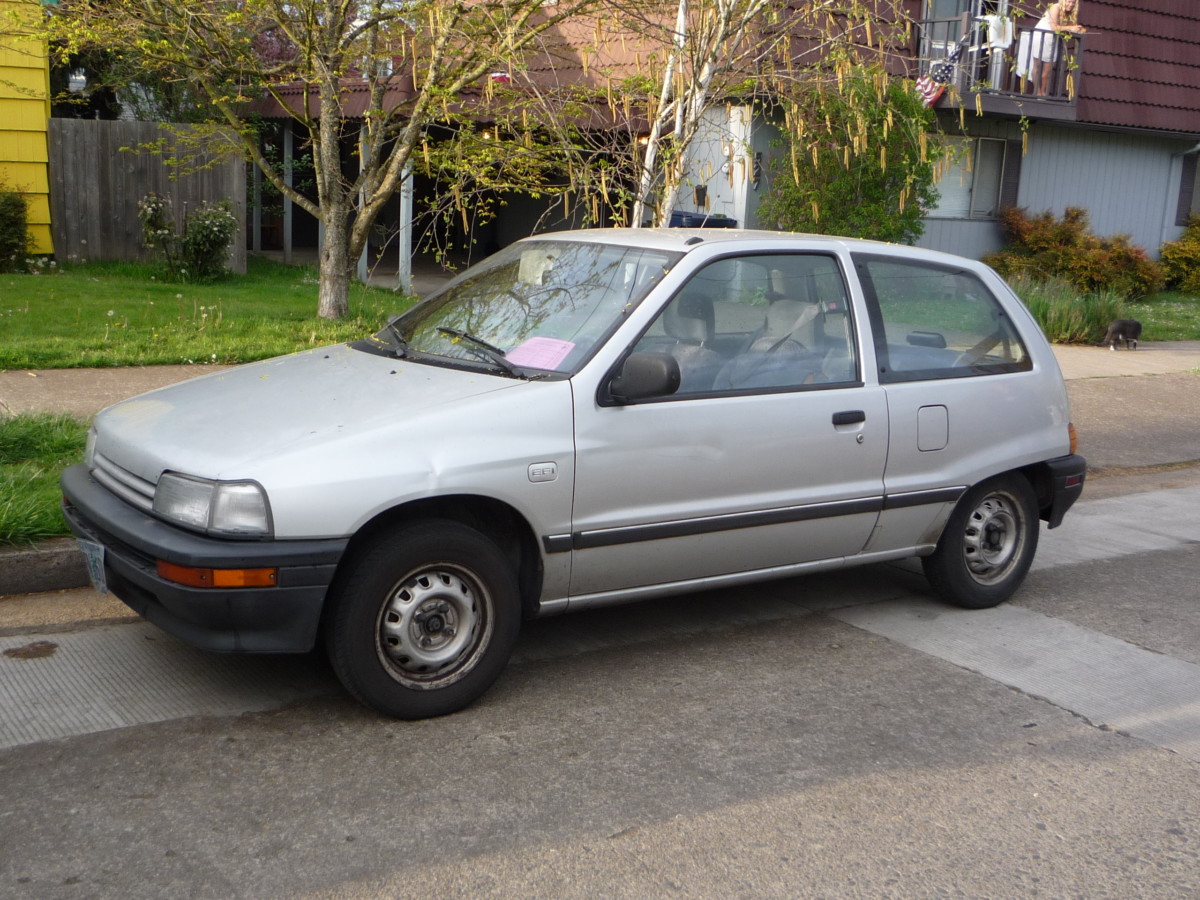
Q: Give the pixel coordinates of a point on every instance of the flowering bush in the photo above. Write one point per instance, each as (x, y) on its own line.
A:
(158, 229)
(1045, 247)
(1181, 259)
(207, 235)
(199, 254)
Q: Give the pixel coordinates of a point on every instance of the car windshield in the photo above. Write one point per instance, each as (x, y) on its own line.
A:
(534, 308)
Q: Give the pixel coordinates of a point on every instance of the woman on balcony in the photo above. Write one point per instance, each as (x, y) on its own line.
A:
(1038, 49)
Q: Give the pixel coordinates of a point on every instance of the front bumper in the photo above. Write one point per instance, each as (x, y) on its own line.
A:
(283, 618)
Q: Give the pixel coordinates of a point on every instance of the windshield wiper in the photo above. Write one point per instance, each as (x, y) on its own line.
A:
(484, 350)
(395, 338)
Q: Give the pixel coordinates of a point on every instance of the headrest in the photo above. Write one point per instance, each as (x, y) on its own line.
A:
(690, 317)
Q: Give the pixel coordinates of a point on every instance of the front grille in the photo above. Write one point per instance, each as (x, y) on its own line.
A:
(133, 490)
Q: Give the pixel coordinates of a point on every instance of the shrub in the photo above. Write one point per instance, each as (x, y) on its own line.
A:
(207, 235)
(1181, 259)
(198, 254)
(15, 240)
(1044, 247)
(1065, 315)
(158, 229)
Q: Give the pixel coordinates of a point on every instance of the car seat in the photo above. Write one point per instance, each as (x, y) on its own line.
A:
(691, 321)
(776, 356)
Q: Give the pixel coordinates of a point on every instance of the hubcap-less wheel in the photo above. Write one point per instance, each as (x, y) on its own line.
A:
(988, 544)
(992, 539)
(432, 627)
(423, 618)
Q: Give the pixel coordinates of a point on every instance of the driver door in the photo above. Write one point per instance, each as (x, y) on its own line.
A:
(735, 472)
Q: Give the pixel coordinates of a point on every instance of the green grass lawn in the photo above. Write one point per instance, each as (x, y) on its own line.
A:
(34, 449)
(1169, 316)
(114, 314)
(1068, 317)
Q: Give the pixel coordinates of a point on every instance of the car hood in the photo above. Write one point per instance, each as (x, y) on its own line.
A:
(222, 424)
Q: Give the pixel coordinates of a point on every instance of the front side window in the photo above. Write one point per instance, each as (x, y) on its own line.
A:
(540, 307)
(772, 321)
(934, 322)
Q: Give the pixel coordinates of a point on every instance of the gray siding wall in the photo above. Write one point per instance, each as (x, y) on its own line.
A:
(1128, 183)
(971, 238)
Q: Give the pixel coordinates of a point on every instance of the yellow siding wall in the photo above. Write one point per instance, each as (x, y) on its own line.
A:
(25, 115)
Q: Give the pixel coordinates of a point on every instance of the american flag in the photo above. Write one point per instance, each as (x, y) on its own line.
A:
(933, 83)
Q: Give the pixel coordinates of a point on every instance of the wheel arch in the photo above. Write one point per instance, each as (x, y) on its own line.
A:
(498, 521)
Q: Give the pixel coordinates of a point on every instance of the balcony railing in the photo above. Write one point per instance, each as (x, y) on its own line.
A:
(1004, 62)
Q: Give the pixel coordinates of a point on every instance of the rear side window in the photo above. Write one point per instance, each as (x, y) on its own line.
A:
(936, 322)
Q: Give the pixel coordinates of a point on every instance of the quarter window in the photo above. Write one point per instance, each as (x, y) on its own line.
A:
(935, 322)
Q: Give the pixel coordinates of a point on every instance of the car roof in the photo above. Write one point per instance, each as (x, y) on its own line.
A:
(685, 240)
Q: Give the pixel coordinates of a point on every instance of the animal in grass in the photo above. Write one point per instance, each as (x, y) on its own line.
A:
(1127, 330)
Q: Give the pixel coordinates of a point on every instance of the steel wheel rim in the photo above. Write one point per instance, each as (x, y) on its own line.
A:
(993, 538)
(433, 626)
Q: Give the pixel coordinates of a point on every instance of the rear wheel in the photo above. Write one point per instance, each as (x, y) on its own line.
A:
(425, 620)
(988, 544)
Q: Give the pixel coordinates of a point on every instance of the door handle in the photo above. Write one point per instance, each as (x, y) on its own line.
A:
(849, 417)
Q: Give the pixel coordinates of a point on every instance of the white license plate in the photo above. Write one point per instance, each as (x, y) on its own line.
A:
(93, 556)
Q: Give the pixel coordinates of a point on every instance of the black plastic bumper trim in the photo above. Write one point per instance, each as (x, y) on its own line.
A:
(1067, 475)
(279, 619)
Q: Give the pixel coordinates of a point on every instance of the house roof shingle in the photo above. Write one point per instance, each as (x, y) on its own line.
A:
(1141, 64)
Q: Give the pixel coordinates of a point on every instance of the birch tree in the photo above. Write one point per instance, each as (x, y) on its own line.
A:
(751, 51)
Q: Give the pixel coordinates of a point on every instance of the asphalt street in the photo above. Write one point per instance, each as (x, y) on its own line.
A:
(839, 735)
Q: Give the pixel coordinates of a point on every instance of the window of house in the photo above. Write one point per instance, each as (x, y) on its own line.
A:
(970, 181)
(946, 9)
(1189, 192)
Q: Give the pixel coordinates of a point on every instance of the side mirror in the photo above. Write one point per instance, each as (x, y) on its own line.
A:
(645, 375)
(927, 339)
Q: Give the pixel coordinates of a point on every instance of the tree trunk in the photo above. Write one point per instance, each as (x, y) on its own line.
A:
(337, 268)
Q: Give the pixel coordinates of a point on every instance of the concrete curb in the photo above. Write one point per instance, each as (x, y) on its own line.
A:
(49, 566)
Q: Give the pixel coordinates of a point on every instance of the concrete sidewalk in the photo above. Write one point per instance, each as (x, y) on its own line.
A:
(1136, 411)
(1160, 358)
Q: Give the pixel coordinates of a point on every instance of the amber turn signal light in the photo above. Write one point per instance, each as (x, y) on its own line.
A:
(1074, 437)
(193, 576)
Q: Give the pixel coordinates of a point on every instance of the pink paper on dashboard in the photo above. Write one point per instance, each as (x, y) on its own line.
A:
(540, 353)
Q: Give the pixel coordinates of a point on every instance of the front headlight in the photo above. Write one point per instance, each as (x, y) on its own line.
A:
(215, 507)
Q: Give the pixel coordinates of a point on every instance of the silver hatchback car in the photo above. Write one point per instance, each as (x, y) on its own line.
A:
(583, 419)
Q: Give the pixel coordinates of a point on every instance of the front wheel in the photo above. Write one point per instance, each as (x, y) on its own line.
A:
(988, 544)
(424, 621)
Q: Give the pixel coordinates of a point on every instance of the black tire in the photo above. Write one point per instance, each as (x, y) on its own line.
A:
(424, 621)
(988, 544)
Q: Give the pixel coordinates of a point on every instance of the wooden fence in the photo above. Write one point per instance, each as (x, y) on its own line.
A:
(95, 186)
